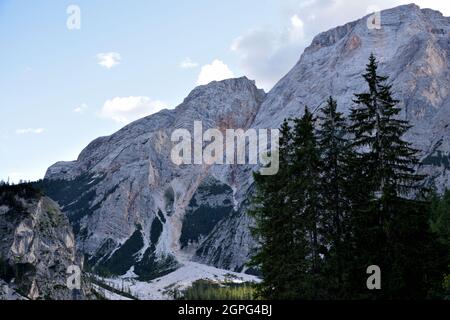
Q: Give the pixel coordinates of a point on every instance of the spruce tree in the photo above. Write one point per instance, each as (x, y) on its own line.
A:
(273, 215)
(307, 202)
(335, 153)
(389, 228)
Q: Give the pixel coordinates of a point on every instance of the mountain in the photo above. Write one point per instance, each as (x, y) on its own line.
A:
(127, 200)
(134, 212)
(37, 247)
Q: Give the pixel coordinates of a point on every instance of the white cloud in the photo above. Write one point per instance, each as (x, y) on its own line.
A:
(30, 131)
(296, 21)
(266, 54)
(109, 59)
(127, 109)
(81, 108)
(187, 63)
(215, 71)
(440, 5)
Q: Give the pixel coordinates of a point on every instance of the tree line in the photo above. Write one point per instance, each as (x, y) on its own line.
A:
(347, 196)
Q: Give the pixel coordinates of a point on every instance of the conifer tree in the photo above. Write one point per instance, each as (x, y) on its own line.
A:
(274, 222)
(389, 228)
(335, 153)
(307, 202)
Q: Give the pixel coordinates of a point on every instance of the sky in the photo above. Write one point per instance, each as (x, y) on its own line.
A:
(71, 71)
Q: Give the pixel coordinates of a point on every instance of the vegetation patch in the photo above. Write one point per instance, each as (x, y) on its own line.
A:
(152, 267)
(438, 159)
(124, 258)
(74, 196)
(210, 290)
(201, 216)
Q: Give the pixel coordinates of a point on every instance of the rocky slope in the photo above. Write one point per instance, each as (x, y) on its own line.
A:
(127, 200)
(135, 212)
(37, 247)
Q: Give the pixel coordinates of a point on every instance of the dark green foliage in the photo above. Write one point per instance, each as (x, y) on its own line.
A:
(209, 290)
(347, 197)
(287, 216)
(440, 217)
(152, 267)
(161, 216)
(440, 224)
(10, 195)
(106, 248)
(74, 196)
(335, 150)
(111, 289)
(6, 270)
(200, 220)
(155, 231)
(274, 227)
(389, 228)
(438, 159)
(124, 257)
(169, 197)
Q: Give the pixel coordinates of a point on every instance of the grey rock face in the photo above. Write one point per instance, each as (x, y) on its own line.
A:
(37, 247)
(128, 180)
(413, 47)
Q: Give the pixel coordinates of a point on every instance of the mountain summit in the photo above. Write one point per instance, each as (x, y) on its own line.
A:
(134, 212)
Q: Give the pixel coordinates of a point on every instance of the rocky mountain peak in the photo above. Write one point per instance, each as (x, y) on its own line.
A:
(128, 202)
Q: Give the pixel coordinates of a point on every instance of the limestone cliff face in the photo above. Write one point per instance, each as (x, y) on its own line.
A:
(37, 247)
(130, 205)
(127, 199)
(413, 47)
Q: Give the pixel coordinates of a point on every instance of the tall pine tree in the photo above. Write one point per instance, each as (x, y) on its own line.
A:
(335, 150)
(307, 202)
(274, 227)
(389, 228)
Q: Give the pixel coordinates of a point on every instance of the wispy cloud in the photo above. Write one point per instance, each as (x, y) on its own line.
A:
(443, 6)
(127, 109)
(81, 108)
(187, 63)
(30, 131)
(266, 53)
(109, 59)
(215, 71)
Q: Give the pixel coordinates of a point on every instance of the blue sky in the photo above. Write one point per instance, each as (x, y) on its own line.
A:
(62, 88)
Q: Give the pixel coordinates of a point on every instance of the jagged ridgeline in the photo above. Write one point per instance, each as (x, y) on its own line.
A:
(124, 196)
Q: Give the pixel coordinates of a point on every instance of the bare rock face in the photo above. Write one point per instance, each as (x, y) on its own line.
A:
(413, 47)
(37, 247)
(126, 198)
(131, 206)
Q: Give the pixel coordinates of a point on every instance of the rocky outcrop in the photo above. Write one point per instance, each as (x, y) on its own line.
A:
(37, 247)
(126, 197)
